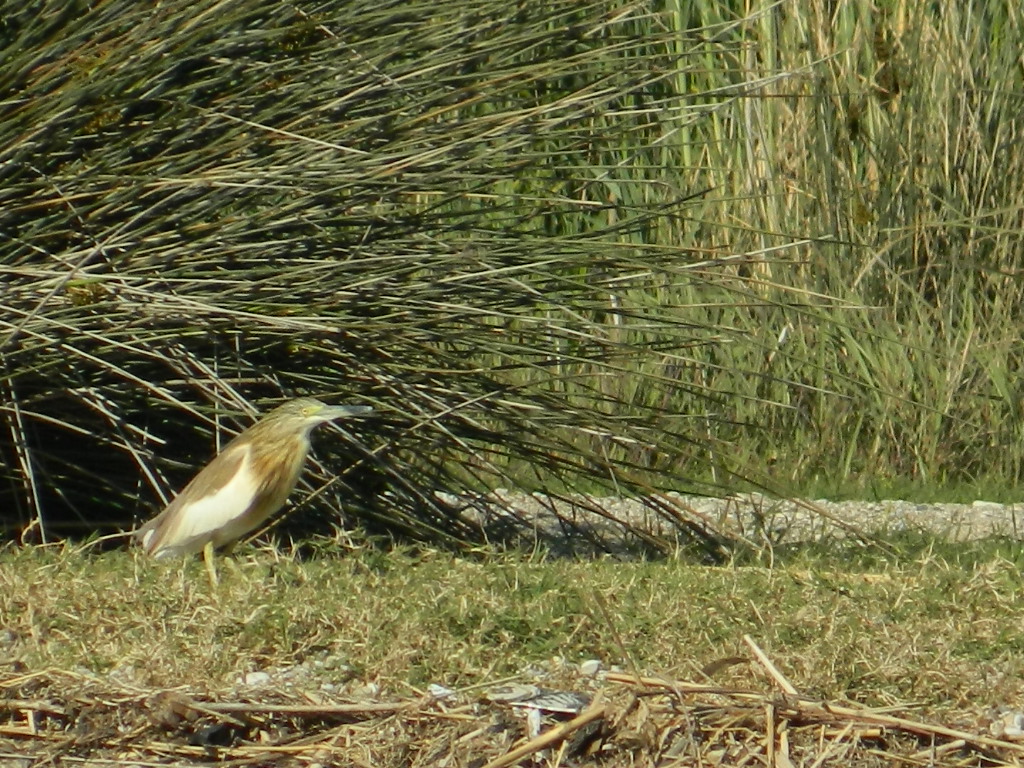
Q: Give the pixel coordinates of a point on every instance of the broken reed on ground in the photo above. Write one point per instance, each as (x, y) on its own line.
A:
(639, 721)
(569, 246)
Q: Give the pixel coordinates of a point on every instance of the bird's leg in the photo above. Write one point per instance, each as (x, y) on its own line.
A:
(228, 550)
(211, 566)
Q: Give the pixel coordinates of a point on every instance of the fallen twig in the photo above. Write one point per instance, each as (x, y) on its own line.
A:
(595, 711)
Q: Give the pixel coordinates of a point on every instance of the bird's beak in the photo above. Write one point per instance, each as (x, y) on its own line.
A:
(330, 412)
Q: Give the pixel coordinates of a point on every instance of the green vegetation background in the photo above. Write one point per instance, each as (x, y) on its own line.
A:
(599, 246)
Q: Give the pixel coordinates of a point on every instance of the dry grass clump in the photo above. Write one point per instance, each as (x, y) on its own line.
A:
(445, 212)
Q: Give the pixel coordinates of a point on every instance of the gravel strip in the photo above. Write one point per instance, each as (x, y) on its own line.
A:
(585, 524)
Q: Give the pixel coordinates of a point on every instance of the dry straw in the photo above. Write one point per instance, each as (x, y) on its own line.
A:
(636, 720)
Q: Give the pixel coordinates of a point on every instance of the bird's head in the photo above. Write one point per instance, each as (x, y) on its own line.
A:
(308, 412)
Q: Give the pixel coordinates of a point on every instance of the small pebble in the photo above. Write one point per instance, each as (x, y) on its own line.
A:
(590, 667)
(256, 678)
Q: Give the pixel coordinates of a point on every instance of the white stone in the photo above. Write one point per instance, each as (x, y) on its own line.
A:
(256, 678)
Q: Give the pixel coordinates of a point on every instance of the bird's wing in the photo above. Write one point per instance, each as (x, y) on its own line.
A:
(219, 495)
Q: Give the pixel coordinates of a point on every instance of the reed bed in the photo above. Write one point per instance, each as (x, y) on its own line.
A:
(561, 247)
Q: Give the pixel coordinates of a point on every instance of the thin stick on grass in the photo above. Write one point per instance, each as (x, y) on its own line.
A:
(304, 710)
(772, 670)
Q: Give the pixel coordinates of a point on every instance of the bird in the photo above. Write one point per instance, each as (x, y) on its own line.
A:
(242, 486)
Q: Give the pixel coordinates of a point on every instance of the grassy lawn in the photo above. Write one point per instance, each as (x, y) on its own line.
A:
(933, 635)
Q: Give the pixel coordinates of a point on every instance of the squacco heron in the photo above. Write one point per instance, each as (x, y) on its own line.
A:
(244, 485)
